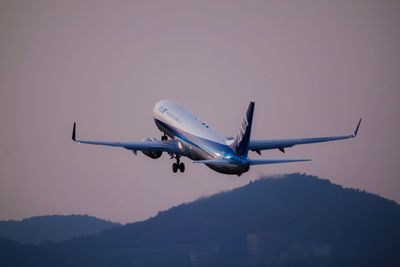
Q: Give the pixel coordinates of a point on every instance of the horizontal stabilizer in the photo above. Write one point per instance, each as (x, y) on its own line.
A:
(274, 161)
(213, 161)
(251, 161)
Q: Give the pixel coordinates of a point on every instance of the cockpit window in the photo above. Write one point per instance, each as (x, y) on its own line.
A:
(162, 109)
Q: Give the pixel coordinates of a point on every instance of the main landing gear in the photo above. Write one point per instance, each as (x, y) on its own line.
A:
(178, 165)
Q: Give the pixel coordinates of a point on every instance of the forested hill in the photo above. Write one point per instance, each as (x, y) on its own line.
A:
(276, 220)
(52, 228)
(290, 220)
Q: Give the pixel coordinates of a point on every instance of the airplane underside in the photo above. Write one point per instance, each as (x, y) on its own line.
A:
(229, 169)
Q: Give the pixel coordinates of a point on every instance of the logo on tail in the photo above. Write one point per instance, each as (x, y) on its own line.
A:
(241, 142)
(242, 130)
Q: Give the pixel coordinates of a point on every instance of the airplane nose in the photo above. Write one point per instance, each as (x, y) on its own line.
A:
(157, 106)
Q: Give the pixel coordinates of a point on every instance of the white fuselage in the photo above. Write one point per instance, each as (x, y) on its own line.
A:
(197, 140)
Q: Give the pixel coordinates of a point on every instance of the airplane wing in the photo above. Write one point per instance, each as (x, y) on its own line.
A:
(170, 146)
(258, 145)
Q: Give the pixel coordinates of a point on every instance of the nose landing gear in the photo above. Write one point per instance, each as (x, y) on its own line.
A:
(178, 165)
(164, 137)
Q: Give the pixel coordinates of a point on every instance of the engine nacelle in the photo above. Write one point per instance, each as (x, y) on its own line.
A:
(152, 154)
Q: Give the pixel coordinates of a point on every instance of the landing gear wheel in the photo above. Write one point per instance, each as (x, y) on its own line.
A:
(182, 167)
(164, 138)
(175, 167)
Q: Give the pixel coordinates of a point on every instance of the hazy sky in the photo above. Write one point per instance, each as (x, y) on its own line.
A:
(313, 67)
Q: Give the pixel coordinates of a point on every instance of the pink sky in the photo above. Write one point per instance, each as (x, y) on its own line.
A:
(313, 67)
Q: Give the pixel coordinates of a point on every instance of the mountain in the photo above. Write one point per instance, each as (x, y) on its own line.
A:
(38, 229)
(280, 221)
(290, 220)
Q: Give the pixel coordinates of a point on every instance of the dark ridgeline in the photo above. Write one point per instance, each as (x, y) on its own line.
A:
(291, 220)
(36, 230)
(16, 254)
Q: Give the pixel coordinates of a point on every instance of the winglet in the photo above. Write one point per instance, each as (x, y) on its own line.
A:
(74, 132)
(356, 130)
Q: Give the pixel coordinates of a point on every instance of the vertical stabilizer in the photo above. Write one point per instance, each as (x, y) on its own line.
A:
(241, 142)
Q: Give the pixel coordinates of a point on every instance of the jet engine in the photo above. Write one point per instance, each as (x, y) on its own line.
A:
(152, 154)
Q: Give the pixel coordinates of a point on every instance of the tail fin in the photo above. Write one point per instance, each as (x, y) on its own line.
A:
(241, 142)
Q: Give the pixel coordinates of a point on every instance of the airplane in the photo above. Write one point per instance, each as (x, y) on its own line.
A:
(186, 135)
